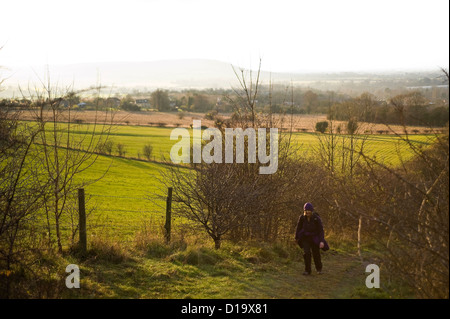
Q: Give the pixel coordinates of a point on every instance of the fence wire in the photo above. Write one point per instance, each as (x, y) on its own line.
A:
(142, 221)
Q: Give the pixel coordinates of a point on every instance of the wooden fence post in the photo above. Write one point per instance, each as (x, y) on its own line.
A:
(82, 221)
(168, 225)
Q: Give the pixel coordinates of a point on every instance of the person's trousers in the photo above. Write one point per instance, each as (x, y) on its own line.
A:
(311, 250)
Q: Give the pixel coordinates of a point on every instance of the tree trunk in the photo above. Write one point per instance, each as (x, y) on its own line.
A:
(58, 235)
(57, 226)
(217, 242)
(359, 236)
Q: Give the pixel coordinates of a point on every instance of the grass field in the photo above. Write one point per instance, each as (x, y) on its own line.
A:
(127, 195)
(128, 258)
(386, 147)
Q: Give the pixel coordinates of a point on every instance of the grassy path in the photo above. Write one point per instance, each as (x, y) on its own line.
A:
(337, 281)
(226, 274)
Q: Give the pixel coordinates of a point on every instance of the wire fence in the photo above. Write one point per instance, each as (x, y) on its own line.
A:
(115, 218)
(142, 220)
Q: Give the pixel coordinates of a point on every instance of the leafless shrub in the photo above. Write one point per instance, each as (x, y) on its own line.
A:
(147, 151)
(121, 149)
(405, 209)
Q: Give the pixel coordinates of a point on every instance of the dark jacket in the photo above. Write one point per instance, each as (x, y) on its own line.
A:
(312, 229)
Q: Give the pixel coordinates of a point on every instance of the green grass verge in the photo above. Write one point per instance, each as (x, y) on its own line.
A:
(182, 271)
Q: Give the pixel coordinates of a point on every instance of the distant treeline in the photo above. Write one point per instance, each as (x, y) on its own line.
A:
(411, 108)
(403, 109)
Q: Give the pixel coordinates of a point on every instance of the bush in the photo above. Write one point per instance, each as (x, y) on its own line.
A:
(24, 283)
(128, 105)
(211, 115)
(121, 149)
(147, 151)
(352, 126)
(321, 126)
(108, 146)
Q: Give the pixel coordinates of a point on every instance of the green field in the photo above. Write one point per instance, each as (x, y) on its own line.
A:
(386, 147)
(126, 197)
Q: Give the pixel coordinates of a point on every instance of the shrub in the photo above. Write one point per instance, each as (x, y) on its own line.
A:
(321, 126)
(147, 151)
(108, 146)
(121, 149)
(128, 105)
(211, 115)
(352, 126)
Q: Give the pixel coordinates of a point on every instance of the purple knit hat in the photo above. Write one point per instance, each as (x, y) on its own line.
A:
(308, 206)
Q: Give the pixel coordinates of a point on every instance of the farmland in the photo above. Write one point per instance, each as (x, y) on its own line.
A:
(304, 122)
(387, 147)
(130, 191)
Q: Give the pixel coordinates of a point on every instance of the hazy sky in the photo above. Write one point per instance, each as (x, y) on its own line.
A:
(318, 35)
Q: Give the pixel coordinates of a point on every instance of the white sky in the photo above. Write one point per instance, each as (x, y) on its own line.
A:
(315, 35)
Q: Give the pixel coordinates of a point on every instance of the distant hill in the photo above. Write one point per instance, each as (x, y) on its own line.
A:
(193, 73)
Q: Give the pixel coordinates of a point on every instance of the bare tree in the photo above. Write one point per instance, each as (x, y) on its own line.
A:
(64, 152)
(21, 194)
(405, 209)
(213, 196)
(234, 201)
(246, 95)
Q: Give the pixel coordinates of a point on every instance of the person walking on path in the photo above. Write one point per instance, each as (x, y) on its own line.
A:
(309, 235)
